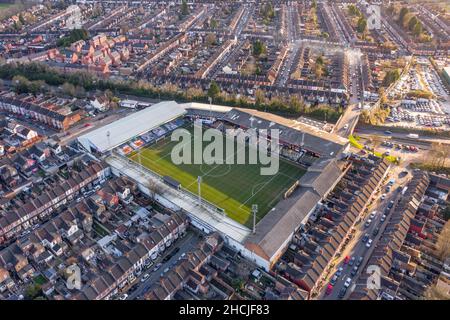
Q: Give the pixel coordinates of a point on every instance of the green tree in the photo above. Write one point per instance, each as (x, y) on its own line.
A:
(184, 8)
(390, 77)
(362, 25)
(32, 291)
(418, 29)
(402, 14)
(21, 19)
(353, 10)
(412, 23)
(214, 90)
(213, 24)
(259, 48)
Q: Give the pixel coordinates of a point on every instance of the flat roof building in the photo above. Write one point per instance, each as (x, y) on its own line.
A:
(120, 131)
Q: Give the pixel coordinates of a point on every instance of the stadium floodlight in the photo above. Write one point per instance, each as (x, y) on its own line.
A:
(254, 211)
(199, 183)
(108, 134)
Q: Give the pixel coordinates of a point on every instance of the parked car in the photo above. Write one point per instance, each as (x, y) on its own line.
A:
(354, 271)
(339, 271)
(369, 243)
(365, 238)
(352, 261)
(333, 280)
(348, 282)
(145, 277)
(368, 222)
(359, 261)
(346, 259)
(124, 296)
(342, 292)
(383, 217)
(375, 231)
(329, 289)
(156, 268)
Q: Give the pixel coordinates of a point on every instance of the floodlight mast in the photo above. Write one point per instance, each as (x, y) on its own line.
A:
(254, 210)
(199, 184)
(108, 134)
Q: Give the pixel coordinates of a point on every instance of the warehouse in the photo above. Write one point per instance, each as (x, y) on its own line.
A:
(118, 132)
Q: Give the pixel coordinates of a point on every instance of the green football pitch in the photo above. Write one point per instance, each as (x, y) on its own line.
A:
(234, 188)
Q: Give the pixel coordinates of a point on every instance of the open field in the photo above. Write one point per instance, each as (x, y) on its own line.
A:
(233, 188)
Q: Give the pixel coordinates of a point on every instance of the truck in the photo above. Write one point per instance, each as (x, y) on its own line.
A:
(413, 136)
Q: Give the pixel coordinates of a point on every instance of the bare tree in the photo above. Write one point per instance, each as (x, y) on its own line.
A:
(434, 293)
(443, 243)
(154, 188)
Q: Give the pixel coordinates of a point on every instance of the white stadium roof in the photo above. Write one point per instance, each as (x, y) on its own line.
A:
(122, 130)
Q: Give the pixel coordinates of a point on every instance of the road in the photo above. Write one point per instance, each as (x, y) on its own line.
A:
(400, 135)
(356, 247)
(346, 124)
(185, 244)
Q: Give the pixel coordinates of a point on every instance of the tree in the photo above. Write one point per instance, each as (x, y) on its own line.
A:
(21, 19)
(446, 213)
(258, 48)
(32, 291)
(390, 77)
(434, 293)
(260, 97)
(443, 243)
(68, 89)
(362, 25)
(402, 14)
(210, 39)
(214, 90)
(184, 8)
(213, 24)
(154, 188)
(412, 23)
(418, 29)
(353, 10)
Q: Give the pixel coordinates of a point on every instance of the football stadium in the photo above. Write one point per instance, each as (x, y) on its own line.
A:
(223, 199)
(233, 188)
